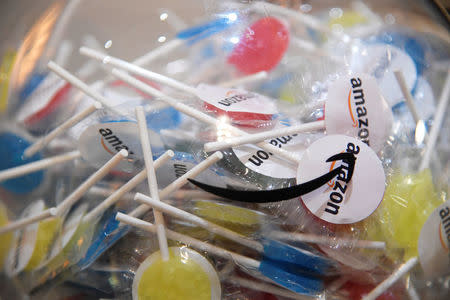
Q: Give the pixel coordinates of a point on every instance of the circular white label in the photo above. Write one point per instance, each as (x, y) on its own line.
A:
(24, 241)
(236, 100)
(381, 61)
(342, 201)
(434, 242)
(356, 108)
(100, 142)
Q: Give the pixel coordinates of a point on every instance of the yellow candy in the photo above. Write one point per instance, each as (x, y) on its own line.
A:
(47, 230)
(5, 239)
(348, 19)
(226, 213)
(408, 201)
(178, 278)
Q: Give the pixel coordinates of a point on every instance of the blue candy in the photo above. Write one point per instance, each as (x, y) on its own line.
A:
(11, 151)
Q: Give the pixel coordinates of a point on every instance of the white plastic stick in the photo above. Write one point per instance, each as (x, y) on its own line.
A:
(259, 137)
(437, 123)
(64, 52)
(158, 52)
(184, 215)
(182, 180)
(151, 180)
(27, 221)
(121, 64)
(245, 79)
(81, 85)
(202, 246)
(67, 203)
(408, 97)
(267, 288)
(115, 196)
(196, 114)
(313, 22)
(43, 141)
(38, 165)
(382, 287)
(317, 239)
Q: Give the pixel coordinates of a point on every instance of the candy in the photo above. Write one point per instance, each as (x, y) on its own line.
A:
(253, 54)
(186, 274)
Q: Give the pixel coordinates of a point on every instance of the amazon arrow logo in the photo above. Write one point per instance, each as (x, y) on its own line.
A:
(285, 193)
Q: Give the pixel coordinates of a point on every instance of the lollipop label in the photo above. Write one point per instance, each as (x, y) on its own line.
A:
(434, 242)
(357, 190)
(98, 143)
(356, 108)
(236, 100)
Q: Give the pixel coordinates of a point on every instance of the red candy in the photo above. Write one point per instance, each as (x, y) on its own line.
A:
(261, 47)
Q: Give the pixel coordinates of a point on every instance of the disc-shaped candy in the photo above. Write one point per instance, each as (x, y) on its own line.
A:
(186, 275)
(261, 46)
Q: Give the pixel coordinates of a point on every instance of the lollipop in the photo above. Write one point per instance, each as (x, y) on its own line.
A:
(419, 197)
(186, 275)
(151, 179)
(270, 249)
(253, 54)
(294, 280)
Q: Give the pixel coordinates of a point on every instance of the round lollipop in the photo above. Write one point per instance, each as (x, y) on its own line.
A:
(186, 275)
(261, 46)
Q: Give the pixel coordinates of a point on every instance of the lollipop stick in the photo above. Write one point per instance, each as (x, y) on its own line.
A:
(259, 137)
(382, 287)
(182, 180)
(124, 189)
(38, 165)
(408, 97)
(27, 221)
(67, 203)
(151, 179)
(317, 239)
(81, 85)
(42, 142)
(248, 262)
(437, 123)
(158, 52)
(214, 228)
(245, 79)
(106, 59)
(198, 114)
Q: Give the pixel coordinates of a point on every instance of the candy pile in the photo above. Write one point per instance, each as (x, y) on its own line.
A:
(265, 152)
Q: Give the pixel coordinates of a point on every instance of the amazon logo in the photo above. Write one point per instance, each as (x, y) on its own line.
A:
(444, 227)
(358, 110)
(110, 141)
